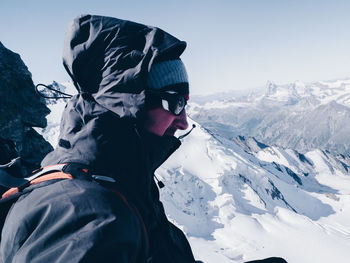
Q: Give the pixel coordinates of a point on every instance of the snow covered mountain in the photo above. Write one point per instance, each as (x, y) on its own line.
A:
(242, 200)
(239, 199)
(297, 116)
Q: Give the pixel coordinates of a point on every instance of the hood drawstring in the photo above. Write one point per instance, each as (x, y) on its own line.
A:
(9, 164)
(186, 134)
(64, 95)
(159, 182)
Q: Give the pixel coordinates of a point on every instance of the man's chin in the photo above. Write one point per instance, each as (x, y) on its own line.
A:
(170, 132)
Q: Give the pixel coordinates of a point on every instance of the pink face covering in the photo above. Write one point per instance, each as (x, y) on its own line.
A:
(162, 122)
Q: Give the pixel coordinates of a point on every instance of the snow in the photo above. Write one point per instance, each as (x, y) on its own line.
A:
(236, 224)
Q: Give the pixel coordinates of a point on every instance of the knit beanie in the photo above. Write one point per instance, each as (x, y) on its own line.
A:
(169, 75)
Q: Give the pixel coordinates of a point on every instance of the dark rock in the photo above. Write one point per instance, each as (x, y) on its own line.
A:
(304, 159)
(294, 175)
(21, 109)
(277, 166)
(249, 144)
(269, 260)
(276, 194)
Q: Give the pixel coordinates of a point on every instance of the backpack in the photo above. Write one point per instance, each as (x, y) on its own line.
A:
(13, 184)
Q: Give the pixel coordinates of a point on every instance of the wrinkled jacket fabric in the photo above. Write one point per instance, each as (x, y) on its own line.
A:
(81, 220)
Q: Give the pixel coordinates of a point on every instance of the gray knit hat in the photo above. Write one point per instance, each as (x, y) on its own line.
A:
(168, 75)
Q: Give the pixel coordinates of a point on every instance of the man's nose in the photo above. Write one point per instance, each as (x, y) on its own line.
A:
(181, 121)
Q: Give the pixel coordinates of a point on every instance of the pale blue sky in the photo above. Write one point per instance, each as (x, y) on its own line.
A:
(231, 44)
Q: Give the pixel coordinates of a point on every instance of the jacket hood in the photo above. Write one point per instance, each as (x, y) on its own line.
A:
(110, 59)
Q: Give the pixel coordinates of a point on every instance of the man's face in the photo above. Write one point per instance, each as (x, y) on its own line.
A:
(162, 122)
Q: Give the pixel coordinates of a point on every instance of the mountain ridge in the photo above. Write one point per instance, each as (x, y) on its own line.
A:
(286, 115)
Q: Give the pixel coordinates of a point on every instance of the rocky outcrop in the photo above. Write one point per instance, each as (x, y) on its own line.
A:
(21, 109)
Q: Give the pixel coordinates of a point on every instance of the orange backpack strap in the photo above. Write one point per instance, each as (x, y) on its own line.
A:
(52, 172)
(43, 178)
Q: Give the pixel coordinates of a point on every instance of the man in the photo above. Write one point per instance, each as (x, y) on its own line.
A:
(97, 200)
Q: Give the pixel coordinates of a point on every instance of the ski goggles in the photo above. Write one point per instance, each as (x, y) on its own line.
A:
(170, 101)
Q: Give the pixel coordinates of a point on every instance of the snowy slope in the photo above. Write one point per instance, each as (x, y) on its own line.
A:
(237, 205)
(297, 115)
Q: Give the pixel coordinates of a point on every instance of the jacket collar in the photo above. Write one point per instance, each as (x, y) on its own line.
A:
(158, 148)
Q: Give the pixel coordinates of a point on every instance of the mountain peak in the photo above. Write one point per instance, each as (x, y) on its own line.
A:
(271, 87)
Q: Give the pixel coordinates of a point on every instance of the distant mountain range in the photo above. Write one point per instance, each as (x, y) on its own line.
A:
(298, 116)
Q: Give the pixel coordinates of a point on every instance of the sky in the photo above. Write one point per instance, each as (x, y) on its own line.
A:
(232, 44)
